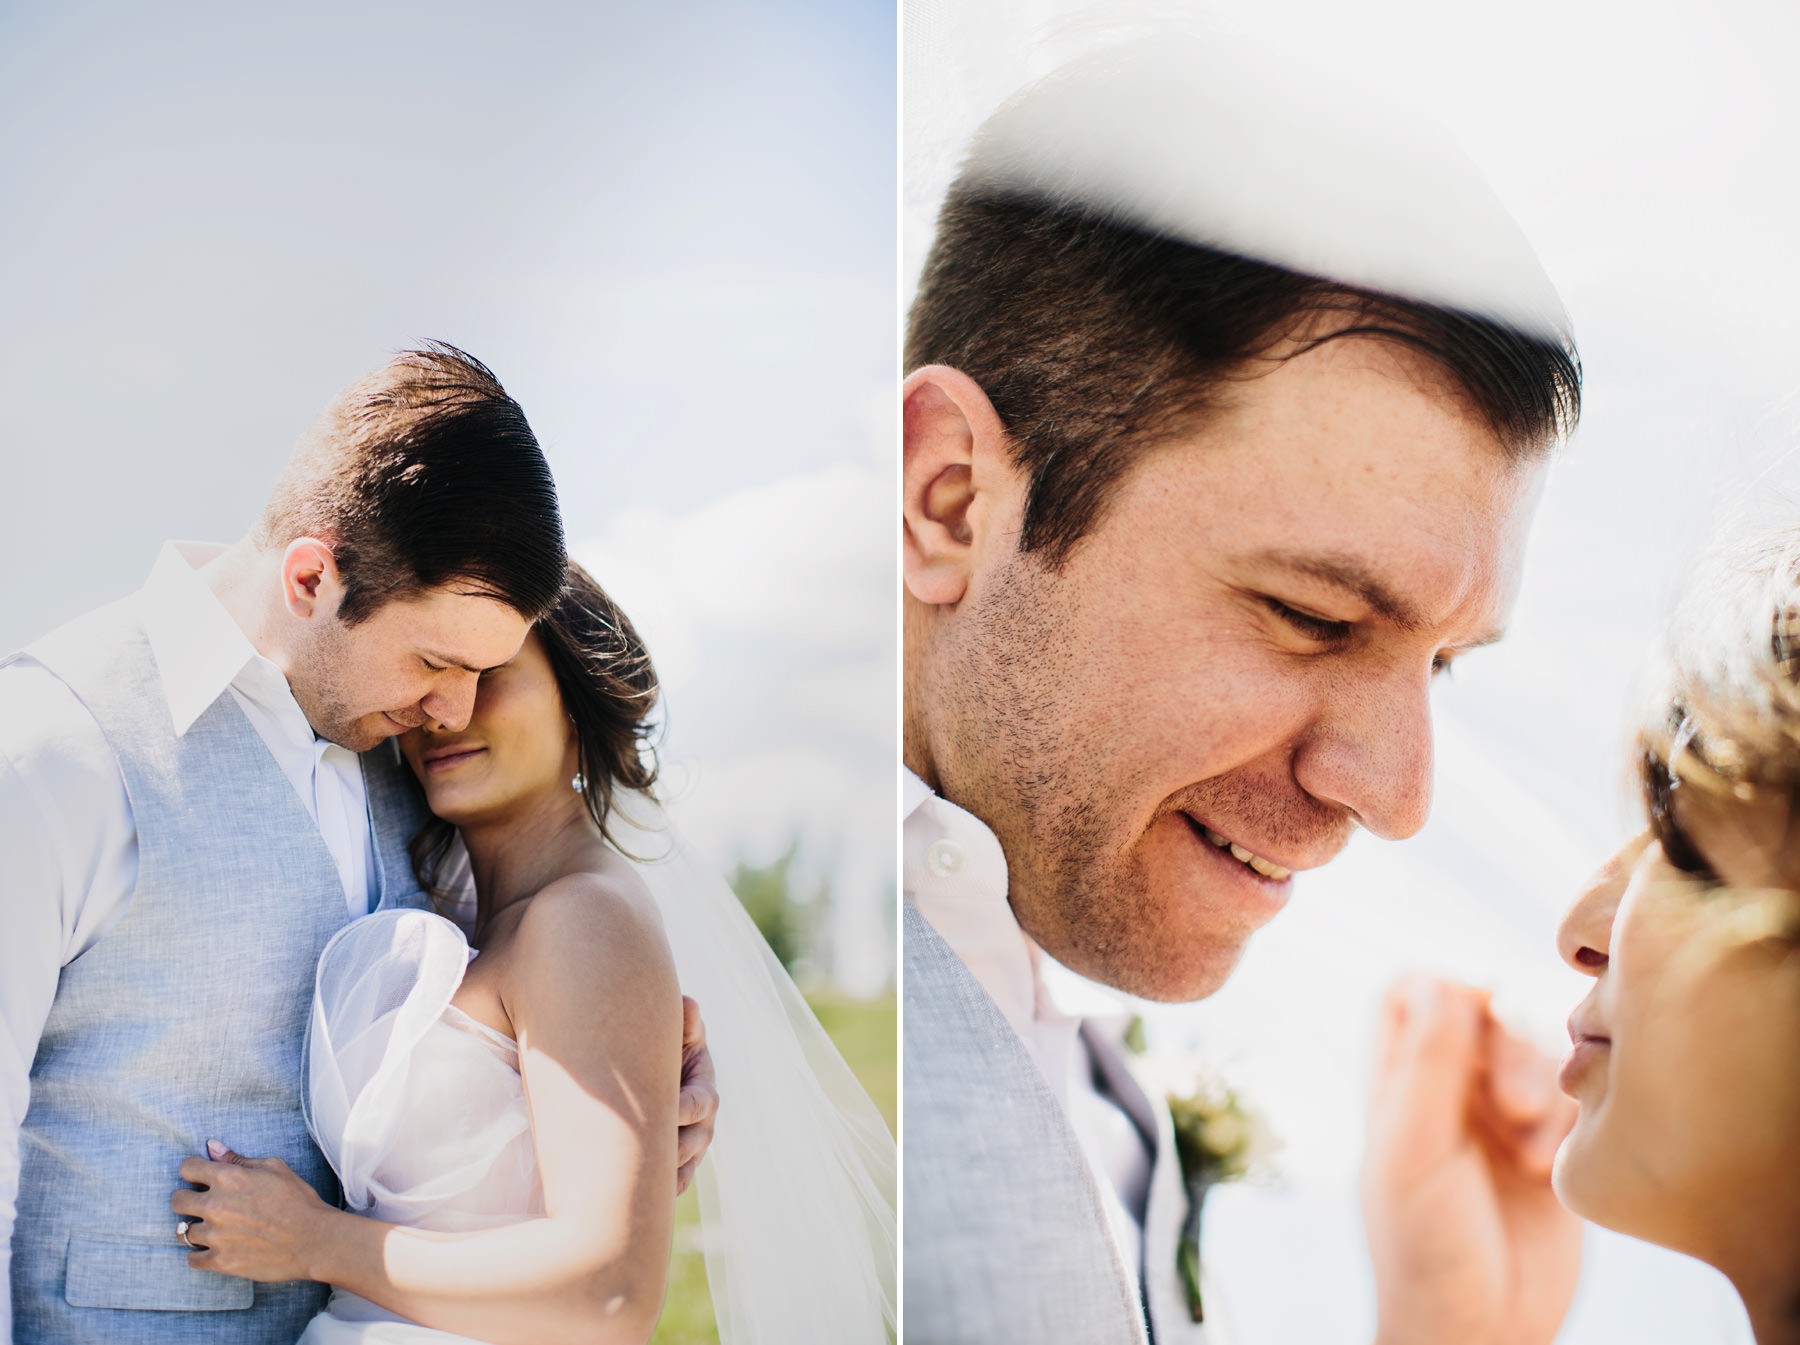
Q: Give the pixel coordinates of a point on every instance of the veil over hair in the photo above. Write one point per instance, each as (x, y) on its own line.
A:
(797, 1192)
(1724, 715)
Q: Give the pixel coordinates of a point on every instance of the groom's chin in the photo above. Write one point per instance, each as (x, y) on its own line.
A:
(1169, 972)
(1201, 907)
(1154, 955)
(366, 733)
(1192, 972)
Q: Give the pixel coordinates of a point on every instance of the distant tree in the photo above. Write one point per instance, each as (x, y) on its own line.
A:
(764, 892)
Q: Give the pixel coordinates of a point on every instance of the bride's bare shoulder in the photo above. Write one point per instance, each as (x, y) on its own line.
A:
(604, 910)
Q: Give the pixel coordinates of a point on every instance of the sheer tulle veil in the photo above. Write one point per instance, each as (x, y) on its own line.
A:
(797, 1191)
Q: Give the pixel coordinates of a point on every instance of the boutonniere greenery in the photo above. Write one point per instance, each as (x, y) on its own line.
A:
(1218, 1138)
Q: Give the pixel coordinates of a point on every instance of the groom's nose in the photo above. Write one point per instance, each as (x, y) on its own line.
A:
(450, 703)
(1369, 751)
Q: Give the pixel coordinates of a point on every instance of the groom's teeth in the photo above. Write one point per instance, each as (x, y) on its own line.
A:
(1243, 856)
(1267, 869)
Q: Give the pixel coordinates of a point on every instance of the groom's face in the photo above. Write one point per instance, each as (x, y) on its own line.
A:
(413, 661)
(1232, 671)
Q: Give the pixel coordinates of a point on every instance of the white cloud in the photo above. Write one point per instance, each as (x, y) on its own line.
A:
(806, 561)
(770, 613)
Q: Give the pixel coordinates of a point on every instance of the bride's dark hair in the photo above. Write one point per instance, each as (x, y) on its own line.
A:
(1726, 717)
(608, 688)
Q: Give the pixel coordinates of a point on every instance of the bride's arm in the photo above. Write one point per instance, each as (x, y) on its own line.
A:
(591, 990)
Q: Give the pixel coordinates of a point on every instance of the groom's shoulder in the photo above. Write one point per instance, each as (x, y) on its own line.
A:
(57, 759)
(107, 641)
(938, 984)
(956, 1038)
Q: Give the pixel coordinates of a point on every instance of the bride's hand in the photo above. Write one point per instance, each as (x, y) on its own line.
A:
(1468, 1241)
(258, 1219)
(699, 1103)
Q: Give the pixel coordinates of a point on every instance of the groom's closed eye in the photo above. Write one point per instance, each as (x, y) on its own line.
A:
(439, 663)
(1326, 631)
(1320, 629)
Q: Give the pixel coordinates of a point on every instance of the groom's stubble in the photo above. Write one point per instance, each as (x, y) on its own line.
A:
(317, 675)
(1037, 760)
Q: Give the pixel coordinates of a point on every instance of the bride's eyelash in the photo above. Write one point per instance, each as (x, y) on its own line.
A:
(1313, 627)
(1677, 846)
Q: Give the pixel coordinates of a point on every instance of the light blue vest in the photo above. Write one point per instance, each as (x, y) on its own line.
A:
(1007, 1241)
(186, 1020)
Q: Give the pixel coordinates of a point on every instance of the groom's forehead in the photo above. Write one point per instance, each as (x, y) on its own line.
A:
(1407, 513)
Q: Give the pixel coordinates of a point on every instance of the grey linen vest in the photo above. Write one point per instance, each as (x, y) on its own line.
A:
(186, 1020)
(1006, 1238)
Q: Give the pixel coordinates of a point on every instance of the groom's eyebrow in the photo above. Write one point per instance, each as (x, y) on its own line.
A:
(1355, 578)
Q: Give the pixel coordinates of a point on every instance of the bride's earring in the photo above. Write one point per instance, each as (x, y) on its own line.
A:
(578, 784)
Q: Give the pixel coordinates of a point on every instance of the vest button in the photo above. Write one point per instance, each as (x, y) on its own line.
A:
(944, 858)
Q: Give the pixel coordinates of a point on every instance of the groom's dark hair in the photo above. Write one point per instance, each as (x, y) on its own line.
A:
(422, 474)
(1095, 340)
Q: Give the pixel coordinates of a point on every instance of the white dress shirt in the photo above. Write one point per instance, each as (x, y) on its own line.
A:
(955, 876)
(68, 842)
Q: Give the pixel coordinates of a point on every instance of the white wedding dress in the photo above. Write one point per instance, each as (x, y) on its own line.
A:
(420, 1108)
(422, 1113)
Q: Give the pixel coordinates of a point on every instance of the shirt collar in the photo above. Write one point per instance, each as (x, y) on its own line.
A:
(956, 877)
(199, 649)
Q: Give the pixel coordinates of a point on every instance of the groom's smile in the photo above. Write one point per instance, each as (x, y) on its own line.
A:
(1230, 672)
(1258, 882)
(1266, 869)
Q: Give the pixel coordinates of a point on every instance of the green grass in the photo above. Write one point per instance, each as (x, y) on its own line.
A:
(866, 1031)
(687, 1315)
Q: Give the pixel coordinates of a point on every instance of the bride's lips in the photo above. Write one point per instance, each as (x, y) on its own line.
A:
(1589, 1048)
(446, 758)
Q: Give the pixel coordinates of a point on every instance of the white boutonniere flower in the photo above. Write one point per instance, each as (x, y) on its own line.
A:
(1219, 1138)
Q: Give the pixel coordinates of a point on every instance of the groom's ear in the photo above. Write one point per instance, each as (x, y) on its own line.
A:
(309, 578)
(956, 469)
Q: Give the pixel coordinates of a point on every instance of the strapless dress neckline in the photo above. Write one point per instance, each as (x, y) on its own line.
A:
(419, 1107)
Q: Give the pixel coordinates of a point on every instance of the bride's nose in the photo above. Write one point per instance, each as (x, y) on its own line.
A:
(1584, 939)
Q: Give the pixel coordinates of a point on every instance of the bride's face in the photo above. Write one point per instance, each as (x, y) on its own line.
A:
(519, 746)
(1687, 1050)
